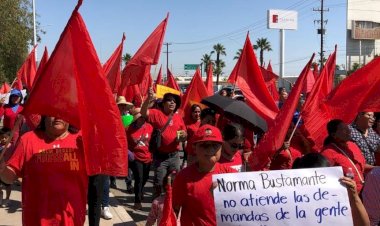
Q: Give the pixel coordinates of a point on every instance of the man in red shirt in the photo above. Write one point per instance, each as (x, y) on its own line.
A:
(166, 158)
(192, 186)
(51, 162)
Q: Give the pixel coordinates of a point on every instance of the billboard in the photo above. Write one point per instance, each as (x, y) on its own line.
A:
(365, 30)
(282, 19)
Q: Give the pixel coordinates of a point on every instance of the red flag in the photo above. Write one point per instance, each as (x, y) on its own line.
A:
(158, 80)
(209, 82)
(249, 79)
(148, 54)
(269, 68)
(315, 115)
(136, 93)
(275, 136)
(270, 79)
(112, 67)
(69, 88)
(195, 92)
(145, 85)
(43, 62)
(309, 82)
(172, 83)
(5, 88)
(315, 71)
(27, 72)
(357, 93)
(17, 84)
(168, 216)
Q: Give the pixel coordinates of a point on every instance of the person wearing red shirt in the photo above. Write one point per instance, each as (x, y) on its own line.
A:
(10, 112)
(50, 160)
(290, 151)
(233, 145)
(166, 158)
(192, 125)
(192, 186)
(139, 134)
(340, 151)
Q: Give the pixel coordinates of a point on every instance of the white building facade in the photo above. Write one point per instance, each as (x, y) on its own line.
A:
(363, 32)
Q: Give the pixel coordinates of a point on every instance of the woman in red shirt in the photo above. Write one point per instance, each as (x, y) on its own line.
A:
(51, 162)
(139, 134)
(340, 151)
(11, 110)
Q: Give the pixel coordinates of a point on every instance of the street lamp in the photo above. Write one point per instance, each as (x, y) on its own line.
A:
(34, 27)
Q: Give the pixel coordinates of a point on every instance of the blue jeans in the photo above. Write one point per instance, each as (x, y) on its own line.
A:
(106, 192)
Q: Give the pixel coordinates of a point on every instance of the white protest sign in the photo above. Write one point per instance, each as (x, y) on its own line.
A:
(282, 197)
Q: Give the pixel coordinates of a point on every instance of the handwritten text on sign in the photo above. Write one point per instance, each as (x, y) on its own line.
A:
(282, 197)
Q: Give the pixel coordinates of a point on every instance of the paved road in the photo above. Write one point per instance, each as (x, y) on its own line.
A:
(127, 200)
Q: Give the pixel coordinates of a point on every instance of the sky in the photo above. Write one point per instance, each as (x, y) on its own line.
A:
(195, 26)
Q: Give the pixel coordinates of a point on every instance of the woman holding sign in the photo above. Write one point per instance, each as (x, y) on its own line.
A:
(340, 151)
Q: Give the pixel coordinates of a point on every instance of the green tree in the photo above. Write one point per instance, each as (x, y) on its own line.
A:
(16, 26)
(220, 51)
(264, 45)
(126, 58)
(238, 54)
(219, 70)
(206, 60)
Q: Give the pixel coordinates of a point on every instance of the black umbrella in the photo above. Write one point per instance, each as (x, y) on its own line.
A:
(234, 108)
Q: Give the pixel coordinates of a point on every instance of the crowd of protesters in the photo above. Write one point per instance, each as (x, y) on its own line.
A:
(157, 136)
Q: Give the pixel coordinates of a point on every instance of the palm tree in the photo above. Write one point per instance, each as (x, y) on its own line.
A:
(219, 50)
(264, 45)
(126, 58)
(206, 59)
(218, 70)
(238, 53)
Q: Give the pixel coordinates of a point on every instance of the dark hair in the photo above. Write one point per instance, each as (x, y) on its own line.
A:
(194, 106)
(5, 131)
(311, 160)
(10, 97)
(207, 111)
(42, 126)
(332, 127)
(281, 89)
(232, 130)
(377, 116)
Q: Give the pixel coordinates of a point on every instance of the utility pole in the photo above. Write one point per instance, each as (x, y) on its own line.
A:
(321, 30)
(167, 58)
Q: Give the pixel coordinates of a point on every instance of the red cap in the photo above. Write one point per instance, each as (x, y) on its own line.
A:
(207, 133)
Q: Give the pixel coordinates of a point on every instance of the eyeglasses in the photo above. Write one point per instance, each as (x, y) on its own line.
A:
(237, 146)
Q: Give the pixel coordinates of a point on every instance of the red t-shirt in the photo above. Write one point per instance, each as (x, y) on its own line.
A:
(55, 182)
(285, 158)
(138, 142)
(191, 191)
(158, 120)
(336, 158)
(191, 130)
(9, 115)
(236, 162)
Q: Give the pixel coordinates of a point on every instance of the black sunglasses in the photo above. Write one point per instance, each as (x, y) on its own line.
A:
(237, 146)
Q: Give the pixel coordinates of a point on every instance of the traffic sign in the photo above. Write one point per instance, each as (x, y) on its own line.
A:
(191, 66)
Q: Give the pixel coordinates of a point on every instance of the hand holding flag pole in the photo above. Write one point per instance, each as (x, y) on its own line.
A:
(294, 129)
(16, 126)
